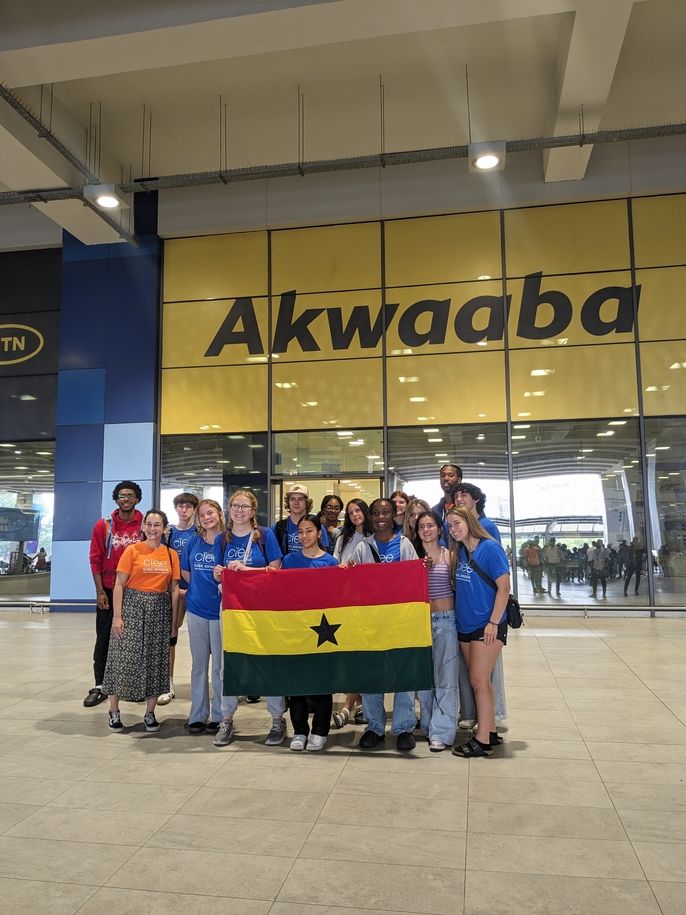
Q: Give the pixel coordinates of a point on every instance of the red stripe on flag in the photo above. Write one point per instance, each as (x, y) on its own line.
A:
(312, 589)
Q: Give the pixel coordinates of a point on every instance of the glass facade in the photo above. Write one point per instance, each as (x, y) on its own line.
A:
(542, 349)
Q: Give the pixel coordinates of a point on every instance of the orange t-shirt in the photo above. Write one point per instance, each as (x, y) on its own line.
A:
(148, 569)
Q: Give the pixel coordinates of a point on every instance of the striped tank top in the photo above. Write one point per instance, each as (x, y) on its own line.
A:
(439, 579)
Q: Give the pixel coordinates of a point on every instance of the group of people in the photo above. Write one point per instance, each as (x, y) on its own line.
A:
(150, 574)
(594, 564)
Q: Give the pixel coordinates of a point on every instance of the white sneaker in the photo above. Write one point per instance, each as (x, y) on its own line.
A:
(166, 698)
(466, 724)
(315, 742)
(298, 742)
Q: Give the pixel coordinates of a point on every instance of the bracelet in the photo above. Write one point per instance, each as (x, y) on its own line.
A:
(491, 623)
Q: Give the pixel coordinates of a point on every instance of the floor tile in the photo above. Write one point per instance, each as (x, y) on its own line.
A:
(636, 752)
(66, 862)
(542, 820)
(46, 767)
(259, 805)
(296, 779)
(532, 748)
(641, 773)
(31, 897)
(537, 791)
(386, 845)
(11, 814)
(663, 861)
(298, 908)
(31, 790)
(229, 834)
(449, 785)
(438, 891)
(203, 873)
(654, 825)
(78, 825)
(576, 770)
(647, 797)
(145, 902)
(118, 796)
(440, 814)
(529, 894)
(182, 772)
(554, 855)
(671, 897)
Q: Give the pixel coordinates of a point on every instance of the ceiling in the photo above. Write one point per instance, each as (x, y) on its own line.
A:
(532, 65)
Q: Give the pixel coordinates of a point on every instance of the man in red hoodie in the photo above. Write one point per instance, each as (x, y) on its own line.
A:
(109, 539)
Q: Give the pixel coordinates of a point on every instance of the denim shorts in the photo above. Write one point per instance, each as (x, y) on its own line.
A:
(478, 634)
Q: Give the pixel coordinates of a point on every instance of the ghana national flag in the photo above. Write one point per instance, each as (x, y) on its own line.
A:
(297, 632)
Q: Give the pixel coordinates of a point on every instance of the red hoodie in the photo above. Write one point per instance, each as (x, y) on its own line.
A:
(124, 533)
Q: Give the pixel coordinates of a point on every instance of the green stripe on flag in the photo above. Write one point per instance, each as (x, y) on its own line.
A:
(394, 671)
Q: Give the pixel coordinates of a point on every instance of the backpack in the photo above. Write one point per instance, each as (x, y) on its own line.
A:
(281, 537)
(108, 535)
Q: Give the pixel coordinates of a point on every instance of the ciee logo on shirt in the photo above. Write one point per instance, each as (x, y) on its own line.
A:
(202, 557)
(155, 565)
(387, 558)
(463, 571)
(234, 553)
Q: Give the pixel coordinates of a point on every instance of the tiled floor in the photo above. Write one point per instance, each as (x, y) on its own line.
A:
(583, 811)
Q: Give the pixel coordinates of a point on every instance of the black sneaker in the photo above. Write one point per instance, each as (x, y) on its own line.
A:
(115, 721)
(95, 697)
(151, 723)
(370, 740)
(405, 741)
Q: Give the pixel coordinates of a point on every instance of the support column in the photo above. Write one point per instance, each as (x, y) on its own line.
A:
(106, 392)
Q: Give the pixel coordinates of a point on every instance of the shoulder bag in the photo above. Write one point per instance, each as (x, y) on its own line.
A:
(515, 617)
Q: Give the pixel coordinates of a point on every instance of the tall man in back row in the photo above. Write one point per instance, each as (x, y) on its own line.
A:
(109, 539)
(450, 476)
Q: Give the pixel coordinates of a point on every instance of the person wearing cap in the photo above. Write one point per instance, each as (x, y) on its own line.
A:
(297, 503)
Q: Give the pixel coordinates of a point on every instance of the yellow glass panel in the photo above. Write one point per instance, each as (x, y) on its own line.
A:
(444, 319)
(457, 388)
(663, 373)
(338, 325)
(327, 259)
(583, 308)
(572, 238)
(221, 399)
(659, 230)
(579, 382)
(443, 249)
(202, 333)
(215, 266)
(662, 305)
(328, 395)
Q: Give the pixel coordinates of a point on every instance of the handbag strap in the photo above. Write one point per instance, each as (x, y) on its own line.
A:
(479, 571)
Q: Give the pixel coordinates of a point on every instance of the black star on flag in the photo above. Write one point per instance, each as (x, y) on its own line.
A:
(326, 631)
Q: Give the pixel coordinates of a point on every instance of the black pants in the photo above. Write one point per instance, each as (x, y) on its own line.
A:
(322, 706)
(632, 569)
(599, 575)
(103, 627)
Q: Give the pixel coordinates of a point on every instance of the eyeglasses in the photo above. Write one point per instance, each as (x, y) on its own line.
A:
(241, 508)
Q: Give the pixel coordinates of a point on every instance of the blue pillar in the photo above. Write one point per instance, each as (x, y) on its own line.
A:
(106, 395)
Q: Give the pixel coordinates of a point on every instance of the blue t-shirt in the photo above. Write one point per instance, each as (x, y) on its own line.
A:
(298, 561)
(474, 598)
(389, 550)
(177, 541)
(202, 597)
(235, 550)
(490, 527)
(292, 541)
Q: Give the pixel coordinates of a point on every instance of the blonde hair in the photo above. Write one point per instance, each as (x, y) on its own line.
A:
(474, 528)
(212, 504)
(252, 498)
(411, 505)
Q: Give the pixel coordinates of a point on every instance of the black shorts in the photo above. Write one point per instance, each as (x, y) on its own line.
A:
(478, 634)
(173, 640)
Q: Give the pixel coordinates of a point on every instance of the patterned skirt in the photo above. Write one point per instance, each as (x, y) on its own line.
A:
(138, 663)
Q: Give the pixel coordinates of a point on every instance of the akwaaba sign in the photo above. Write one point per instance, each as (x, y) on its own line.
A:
(543, 313)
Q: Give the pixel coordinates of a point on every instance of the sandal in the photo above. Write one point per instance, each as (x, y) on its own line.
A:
(473, 749)
(495, 739)
(341, 718)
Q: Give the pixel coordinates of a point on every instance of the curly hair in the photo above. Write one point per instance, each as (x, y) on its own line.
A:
(127, 484)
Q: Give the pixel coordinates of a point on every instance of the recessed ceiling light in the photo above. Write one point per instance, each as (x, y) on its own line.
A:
(418, 399)
(344, 434)
(537, 372)
(235, 437)
(604, 434)
(522, 426)
(223, 462)
(518, 437)
(484, 276)
(7, 445)
(431, 430)
(434, 441)
(286, 385)
(44, 453)
(523, 414)
(617, 422)
(255, 446)
(408, 379)
(482, 342)
(27, 397)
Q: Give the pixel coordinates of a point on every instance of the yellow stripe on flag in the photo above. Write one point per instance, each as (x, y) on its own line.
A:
(287, 632)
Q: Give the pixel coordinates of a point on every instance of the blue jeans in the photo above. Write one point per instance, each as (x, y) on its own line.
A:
(438, 706)
(404, 718)
(276, 706)
(205, 639)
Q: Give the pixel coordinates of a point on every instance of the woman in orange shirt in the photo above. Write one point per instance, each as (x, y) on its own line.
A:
(145, 599)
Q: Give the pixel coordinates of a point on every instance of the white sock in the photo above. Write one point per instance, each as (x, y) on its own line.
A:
(171, 685)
